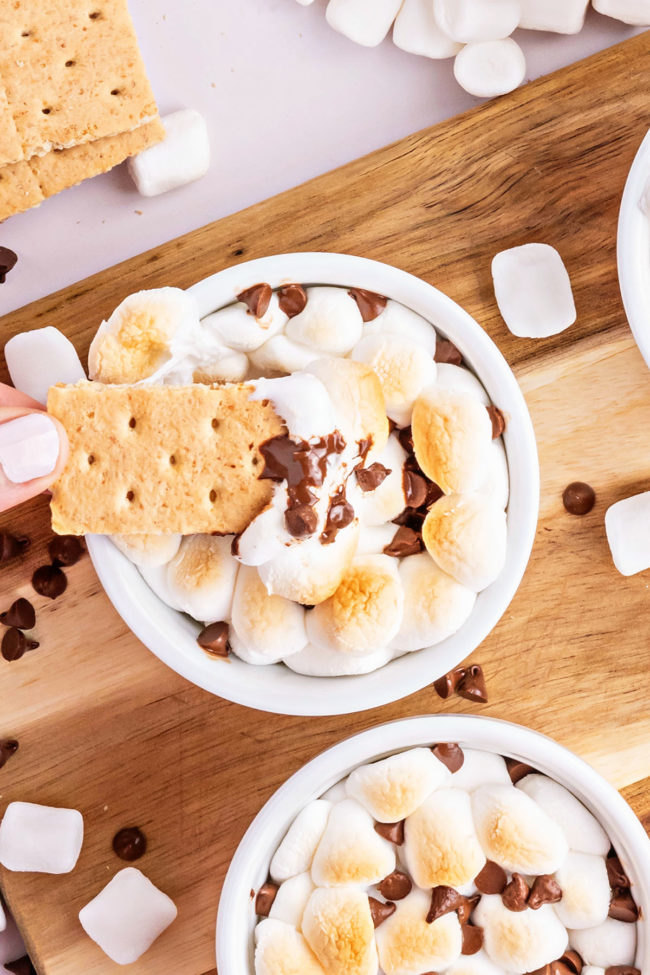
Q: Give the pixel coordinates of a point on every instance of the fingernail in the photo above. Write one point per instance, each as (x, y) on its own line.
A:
(29, 447)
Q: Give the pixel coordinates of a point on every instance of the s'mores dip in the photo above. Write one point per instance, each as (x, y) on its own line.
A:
(312, 473)
(451, 860)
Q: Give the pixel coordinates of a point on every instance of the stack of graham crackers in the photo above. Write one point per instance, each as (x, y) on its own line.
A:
(74, 96)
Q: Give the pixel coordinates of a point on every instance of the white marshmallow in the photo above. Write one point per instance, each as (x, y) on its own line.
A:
(533, 290)
(476, 964)
(636, 12)
(264, 628)
(182, 157)
(127, 916)
(407, 945)
(627, 524)
(314, 662)
(496, 486)
(373, 539)
(466, 21)
(38, 359)
(296, 851)
(490, 68)
(388, 500)
(592, 970)
(520, 941)
(585, 891)
(480, 768)
(291, 899)
(156, 578)
(517, 834)
(12, 946)
(441, 844)
(404, 368)
(466, 535)
(435, 605)
(394, 787)
(148, 550)
(336, 793)
(350, 852)
(302, 401)
(201, 577)
(582, 830)
(280, 354)
(417, 32)
(559, 16)
(281, 950)
(338, 927)
(610, 943)
(462, 380)
(309, 573)
(364, 21)
(40, 839)
(264, 538)
(330, 322)
(239, 329)
(397, 319)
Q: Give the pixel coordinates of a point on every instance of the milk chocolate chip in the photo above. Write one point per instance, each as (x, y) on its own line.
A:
(8, 748)
(444, 900)
(572, 960)
(450, 755)
(65, 549)
(472, 686)
(393, 832)
(15, 644)
(615, 872)
(380, 911)
(370, 304)
(466, 908)
(446, 351)
(497, 419)
(472, 939)
(301, 521)
(545, 890)
(579, 498)
(292, 299)
(214, 639)
(612, 970)
(265, 897)
(405, 542)
(257, 299)
(21, 614)
(415, 489)
(515, 894)
(517, 770)
(11, 546)
(492, 879)
(622, 906)
(8, 260)
(369, 478)
(396, 886)
(130, 843)
(49, 581)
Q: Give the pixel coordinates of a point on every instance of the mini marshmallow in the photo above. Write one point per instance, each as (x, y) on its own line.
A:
(404, 368)
(373, 539)
(466, 535)
(12, 946)
(156, 578)
(240, 330)
(441, 844)
(592, 970)
(296, 851)
(466, 21)
(291, 899)
(315, 662)
(610, 943)
(388, 500)
(462, 380)
(280, 354)
(517, 834)
(435, 605)
(364, 613)
(281, 950)
(358, 400)
(417, 32)
(310, 573)
(480, 768)
(490, 68)
(148, 550)
(40, 839)
(41, 358)
(350, 852)
(559, 16)
(520, 941)
(364, 21)
(533, 290)
(452, 434)
(397, 319)
(627, 524)
(330, 322)
(264, 628)
(394, 787)
(407, 945)
(201, 577)
(635, 12)
(585, 891)
(302, 401)
(496, 486)
(476, 964)
(582, 830)
(338, 927)
(182, 157)
(336, 793)
(226, 367)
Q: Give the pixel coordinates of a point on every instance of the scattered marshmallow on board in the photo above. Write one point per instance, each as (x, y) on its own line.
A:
(533, 290)
(365, 21)
(627, 524)
(557, 16)
(417, 32)
(490, 68)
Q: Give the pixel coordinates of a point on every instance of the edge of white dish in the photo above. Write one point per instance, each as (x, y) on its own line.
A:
(633, 250)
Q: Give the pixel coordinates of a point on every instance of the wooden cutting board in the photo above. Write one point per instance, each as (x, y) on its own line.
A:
(105, 727)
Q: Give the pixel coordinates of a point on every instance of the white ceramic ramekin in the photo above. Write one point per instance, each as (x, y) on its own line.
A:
(250, 865)
(172, 636)
(633, 249)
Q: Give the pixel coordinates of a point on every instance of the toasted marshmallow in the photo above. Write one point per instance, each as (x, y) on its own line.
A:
(296, 851)
(520, 941)
(364, 613)
(480, 768)
(314, 662)
(282, 355)
(496, 486)
(477, 964)
(452, 434)
(397, 319)
(373, 539)
(149, 550)
(441, 845)
(139, 337)
(393, 788)
(435, 605)
(358, 400)
(310, 573)
(240, 330)
(404, 368)
(281, 950)
(201, 577)
(264, 628)
(461, 380)
(225, 367)
(291, 899)
(338, 927)
(156, 578)
(610, 943)
(302, 401)
(582, 830)
(350, 852)
(585, 891)
(516, 833)
(465, 534)
(407, 945)
(330, 322)
(388, 500)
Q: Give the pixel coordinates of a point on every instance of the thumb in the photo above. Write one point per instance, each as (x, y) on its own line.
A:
(33, 452)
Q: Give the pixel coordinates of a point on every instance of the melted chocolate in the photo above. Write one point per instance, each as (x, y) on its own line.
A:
(545, 890)
(371, 305)
(364, 446)
(406, 541)
(492, 879)
(369, 478)
(339, 515)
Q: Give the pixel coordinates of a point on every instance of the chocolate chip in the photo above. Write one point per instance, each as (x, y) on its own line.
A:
(515, 894)
(450, 755)
(472, 939)
(444, 900)
(21, 967)
(612, 970)
(214, 639)
(371, 305)
(8, 748)
(434, 493)
(301, 521)
(21, 613)
(498, 421)
(292, 299)
(466, 908)
(405, 437)
(447, 684)
(545, 890)
(393, 832)
(15, 644)
(130, 843)
(265, 897)
(11, 546)
(49, 581)
(472, 686)
(340, 514)
(369, 478)
(446, 351)
(622, 906)
(396, 886)
(579, 498)
(415, 489)
(8, 260)
(380, 911)
(615, 872)
(257, 299)
(65, 549)
(517, 770)
(492, 879)
(405, 542)
(572, 960)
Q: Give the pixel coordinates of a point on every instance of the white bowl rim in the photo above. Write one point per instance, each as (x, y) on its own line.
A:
(249, 866)
(633, 250)
(172, 637)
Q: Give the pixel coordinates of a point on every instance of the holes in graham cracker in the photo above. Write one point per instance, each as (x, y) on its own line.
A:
(215, 423)
(70, 64)
(91, 459)
(95, 15)
(172, 460)
(130, 495)
(26, 33)
(46, 111)
(213, 496)
(115, 91)
(132, 422)
(255, 461)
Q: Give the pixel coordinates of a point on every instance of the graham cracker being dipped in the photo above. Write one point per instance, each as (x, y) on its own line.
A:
(160, 459)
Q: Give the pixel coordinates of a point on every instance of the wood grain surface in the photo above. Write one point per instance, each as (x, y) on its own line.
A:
(105, 727)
